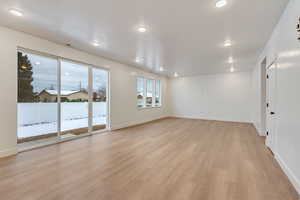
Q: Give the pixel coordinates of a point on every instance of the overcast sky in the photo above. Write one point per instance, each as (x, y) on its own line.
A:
(72, 75)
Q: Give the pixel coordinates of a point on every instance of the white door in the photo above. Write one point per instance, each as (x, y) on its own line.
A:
(271, 109)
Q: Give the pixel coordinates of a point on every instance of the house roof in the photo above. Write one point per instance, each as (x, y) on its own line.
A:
(63, 92)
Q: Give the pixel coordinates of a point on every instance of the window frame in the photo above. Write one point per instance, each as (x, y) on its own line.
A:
(145, 91)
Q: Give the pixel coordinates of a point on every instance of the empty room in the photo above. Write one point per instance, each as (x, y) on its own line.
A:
(150, 100)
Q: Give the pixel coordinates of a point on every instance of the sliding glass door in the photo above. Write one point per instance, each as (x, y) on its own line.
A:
(37, 97)
(59, 99)
(99, 98)
(74, 99)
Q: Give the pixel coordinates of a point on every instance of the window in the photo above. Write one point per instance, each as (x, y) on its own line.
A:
(59, 99)
(148, 92)
(140, 92)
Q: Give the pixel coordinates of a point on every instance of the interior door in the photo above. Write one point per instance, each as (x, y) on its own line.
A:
(271, 109)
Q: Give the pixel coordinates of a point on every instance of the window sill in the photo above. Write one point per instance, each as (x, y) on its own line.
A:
(150, 107)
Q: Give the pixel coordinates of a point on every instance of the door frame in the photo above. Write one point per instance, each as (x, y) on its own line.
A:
(271, 140)
(263, 98)
(59, 59)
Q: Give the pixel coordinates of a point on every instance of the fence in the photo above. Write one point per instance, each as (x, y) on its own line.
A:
(42, 113)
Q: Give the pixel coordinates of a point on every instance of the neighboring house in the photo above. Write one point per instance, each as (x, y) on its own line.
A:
(66, 95)
(99, 96)
(140, 98)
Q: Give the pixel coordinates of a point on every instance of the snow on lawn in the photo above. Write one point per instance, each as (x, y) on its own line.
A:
(42, 129)
(36, 119)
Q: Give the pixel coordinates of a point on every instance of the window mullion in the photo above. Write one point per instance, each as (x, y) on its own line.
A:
(90, 99)
(153, 92)
(59, 98)
(145, 93)
(159, 93)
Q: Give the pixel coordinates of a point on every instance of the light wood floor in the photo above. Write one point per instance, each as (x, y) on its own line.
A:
(171, 159)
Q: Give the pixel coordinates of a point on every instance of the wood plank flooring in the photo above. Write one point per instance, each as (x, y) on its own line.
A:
(170, 159)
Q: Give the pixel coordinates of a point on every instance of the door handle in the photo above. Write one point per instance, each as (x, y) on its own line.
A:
(272, 113)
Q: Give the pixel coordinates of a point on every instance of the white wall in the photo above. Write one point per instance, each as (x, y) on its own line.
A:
(257, 112)
(284, 45)
(122, 77)
(223, 97)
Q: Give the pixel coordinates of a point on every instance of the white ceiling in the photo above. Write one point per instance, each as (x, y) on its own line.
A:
(183, 36)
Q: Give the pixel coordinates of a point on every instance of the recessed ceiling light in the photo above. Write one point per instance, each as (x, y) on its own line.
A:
(175, 74)
(142, 29)
(221, 3)
(96, 44)
(139, 60)
(230, 60)
(37, 63)
(161, 69)
(232, 69)
(227, 43)
(16, 12)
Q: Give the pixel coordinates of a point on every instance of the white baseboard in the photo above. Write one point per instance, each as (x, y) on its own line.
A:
(134, 123)
(258, 130)
(294, 180)
(211, 118)
(8, 152)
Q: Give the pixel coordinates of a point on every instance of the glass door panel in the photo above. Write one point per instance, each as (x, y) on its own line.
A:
(74, 99)
(37, 98)
(99, 99)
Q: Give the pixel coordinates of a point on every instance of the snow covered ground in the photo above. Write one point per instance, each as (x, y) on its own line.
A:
(42, 129)
(35, 119)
